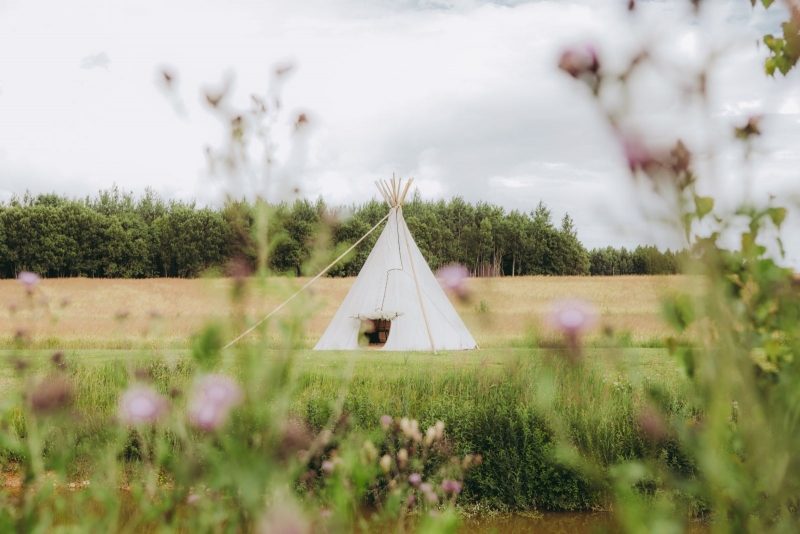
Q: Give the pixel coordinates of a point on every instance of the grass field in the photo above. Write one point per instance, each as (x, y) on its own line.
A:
(164, 313)
(505, 401)
(501, 403)
(652, 363)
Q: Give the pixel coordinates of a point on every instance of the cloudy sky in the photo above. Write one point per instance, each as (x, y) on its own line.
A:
(462, 95)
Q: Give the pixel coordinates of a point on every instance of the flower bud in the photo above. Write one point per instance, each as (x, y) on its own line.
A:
(439, 430)
(405, 425)
(28, 280)
(430, 435)
(451, 486)
(386, 422)
(327, 466)
(50, 395)
(402, 458)
(453, 279)
(579, 60)
(386, 463)
(369, 451)
(212, 399)
(141, 405)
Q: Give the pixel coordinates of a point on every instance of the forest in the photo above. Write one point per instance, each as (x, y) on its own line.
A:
(119, 235)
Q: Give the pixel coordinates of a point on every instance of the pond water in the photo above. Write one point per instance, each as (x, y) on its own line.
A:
(540, 523)
(554, 523)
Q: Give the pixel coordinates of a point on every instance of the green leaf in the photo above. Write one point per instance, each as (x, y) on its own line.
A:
(783, 64)
(769, 67)
(766, 3)
(686, 359)
(679, 311)
(686, 219)
(777, 215)
(749, 246)
(207, 346)
(704, 206)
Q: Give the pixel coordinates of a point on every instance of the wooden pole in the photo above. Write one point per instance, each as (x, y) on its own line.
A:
(416, 281)
(385, 190)
(383, 194)
(405, 191)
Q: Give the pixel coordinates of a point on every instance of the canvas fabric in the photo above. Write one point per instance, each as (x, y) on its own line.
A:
(386, 286)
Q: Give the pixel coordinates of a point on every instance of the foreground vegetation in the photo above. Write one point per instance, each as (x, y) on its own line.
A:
(492, 404)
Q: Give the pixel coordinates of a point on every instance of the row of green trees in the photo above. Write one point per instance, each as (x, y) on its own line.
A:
(643, 260)
(116, 234)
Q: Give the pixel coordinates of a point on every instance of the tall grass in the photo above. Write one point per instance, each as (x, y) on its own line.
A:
(505, 409)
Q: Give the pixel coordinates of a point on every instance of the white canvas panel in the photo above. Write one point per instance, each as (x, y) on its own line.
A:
(386, 285)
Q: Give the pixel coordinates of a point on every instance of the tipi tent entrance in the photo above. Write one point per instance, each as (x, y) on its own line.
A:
(377, 333)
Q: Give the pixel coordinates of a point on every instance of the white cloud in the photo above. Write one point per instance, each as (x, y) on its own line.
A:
(462, 95)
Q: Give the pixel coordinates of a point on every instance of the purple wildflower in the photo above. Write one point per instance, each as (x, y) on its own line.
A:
(327, 466)
(453, 279)
(386, 422)
(29, 280)
(579, 61)
(451, 486)
(50, 395)
(212, 399)
(636, 153)
(572, 317)
(141, 405)
(414, 479)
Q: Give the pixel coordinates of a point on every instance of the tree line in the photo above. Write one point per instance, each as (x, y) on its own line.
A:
(116, 234)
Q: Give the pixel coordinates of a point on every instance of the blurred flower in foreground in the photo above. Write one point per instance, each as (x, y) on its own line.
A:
(572, 318)
(581, 63)
(385, 463)
(752, 128)
(141, 405)
(636, 154)
(212, 399)
(50, 395)
(328, 466)
(451, 486)
(284, 518)
(453, 280)
(651, 424)
(386, 422)
(29, 280)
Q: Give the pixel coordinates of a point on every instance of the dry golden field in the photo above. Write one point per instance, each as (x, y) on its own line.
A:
(85, 313)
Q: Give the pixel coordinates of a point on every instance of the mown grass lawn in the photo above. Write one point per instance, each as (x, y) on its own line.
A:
(653, 362)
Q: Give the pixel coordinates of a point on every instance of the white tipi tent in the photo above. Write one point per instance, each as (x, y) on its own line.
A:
(397, 290)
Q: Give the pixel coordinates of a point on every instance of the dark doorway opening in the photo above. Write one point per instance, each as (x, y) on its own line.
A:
(380, 333)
